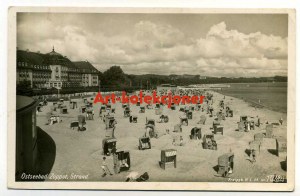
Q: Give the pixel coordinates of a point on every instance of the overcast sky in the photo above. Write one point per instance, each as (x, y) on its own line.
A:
(231, 45)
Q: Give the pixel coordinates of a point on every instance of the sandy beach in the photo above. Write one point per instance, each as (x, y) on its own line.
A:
(81, 152)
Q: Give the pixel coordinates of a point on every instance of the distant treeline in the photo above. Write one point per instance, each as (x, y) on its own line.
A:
(114, 79)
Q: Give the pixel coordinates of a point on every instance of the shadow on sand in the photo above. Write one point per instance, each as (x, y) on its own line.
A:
(272, 151)
(248, 152)
(283, 165)
(216, 168)
(46, 152)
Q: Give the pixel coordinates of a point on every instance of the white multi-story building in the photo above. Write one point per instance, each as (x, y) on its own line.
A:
(53, 70)
(89, 73)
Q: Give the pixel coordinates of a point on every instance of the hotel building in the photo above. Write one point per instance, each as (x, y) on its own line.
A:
(54, 70)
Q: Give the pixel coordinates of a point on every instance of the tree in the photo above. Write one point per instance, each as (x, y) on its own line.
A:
(24, 88)
(280, 79)
(113, 75)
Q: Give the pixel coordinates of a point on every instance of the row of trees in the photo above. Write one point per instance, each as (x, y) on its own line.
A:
(114, 77)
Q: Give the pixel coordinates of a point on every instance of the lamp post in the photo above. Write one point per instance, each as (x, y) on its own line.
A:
(58, 88)
(147, 84)
(99, 85)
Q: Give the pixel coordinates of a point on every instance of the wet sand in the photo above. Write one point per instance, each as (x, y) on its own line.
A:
(81, 152)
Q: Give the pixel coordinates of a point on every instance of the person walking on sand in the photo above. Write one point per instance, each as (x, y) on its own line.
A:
(173, 142)
(281, 120)
(167, 131)
(253, 154)
(181, 141)
(105, 168)
(258, 121)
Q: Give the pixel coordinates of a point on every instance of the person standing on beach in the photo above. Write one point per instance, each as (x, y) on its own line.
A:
(148, 131)
(105, 168)
(181, 141)
(248, 126)
(100, 114)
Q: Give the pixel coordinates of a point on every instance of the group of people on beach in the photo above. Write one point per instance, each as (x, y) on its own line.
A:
(181, 143)
(54, 119)
(104, 166)
(133, 176)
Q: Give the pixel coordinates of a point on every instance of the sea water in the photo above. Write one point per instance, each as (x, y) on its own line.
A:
(270, 95)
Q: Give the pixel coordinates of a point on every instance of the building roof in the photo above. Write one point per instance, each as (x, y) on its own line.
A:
(53, 53)
(31, 58)
(85, 65)
(37, 60)
(54, 58)
(168, 85)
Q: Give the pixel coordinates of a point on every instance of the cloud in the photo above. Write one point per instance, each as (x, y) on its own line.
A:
(162, 49)
(222, 42)
(158, 35)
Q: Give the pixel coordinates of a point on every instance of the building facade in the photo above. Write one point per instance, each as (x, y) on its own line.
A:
(167, 87)
(89, 73)
(32, 68)
(53, 70)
